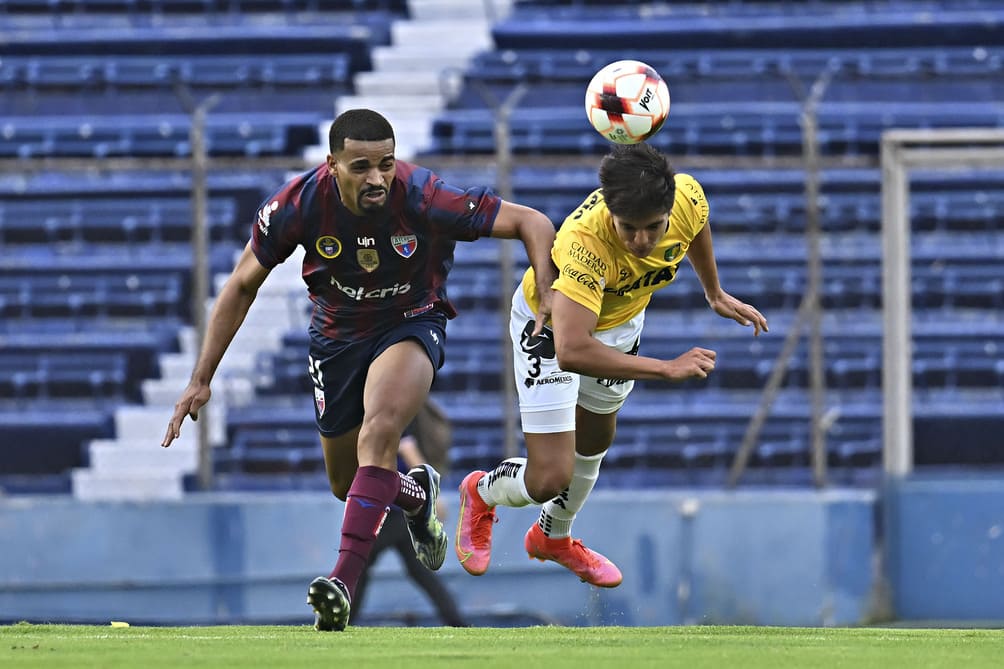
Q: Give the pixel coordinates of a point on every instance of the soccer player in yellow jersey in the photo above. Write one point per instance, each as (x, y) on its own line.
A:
(623, 243)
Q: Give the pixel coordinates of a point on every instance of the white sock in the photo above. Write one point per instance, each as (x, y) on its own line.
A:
(557, 515)
(506, 484)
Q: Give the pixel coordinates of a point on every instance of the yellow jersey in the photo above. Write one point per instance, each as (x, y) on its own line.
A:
(596, 270)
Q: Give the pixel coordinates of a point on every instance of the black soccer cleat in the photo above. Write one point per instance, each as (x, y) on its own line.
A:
(427, 533)
(330, 601)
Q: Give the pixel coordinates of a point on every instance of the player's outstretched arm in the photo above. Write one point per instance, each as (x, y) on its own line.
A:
(578, 351)
(229, 310)
(702, 256)
(535, 230)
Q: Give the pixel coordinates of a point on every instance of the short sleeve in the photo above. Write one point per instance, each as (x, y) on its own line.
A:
(466, 213)
(691, 206)
(583, 269)
(276, 230)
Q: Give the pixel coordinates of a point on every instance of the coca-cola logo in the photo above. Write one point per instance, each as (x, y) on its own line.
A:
(577, 275)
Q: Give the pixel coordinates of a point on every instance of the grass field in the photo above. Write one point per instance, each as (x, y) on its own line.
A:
(78, 646)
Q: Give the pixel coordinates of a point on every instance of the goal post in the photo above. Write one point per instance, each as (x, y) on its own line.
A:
(902, 151)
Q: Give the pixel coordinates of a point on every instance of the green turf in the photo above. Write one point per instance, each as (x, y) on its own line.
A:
(78, 646)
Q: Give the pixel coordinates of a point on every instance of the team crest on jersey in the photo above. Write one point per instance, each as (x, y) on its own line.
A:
(671, 252)
(405, 245)
(368, 259)
(329, 247)
(319, 401)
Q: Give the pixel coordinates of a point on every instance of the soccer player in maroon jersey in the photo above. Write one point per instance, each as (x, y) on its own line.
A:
(379, 236)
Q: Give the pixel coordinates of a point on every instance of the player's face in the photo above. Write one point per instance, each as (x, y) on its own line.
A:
(364, 172)
(641, 236)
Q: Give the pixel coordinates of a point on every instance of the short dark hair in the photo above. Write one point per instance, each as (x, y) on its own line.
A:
(637, 181)
(364, 125)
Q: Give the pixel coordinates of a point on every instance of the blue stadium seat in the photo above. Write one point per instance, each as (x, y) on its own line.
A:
(110, 220)
(273, 451)
(156, 135)
(88, 295)
(138, 340)
(632, 27)
(43, 437)
(329, 72)
(64, 374)
(718, 128)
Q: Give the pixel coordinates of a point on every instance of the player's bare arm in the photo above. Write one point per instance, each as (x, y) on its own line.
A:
(578, 351)
(702, 256)
(229, 311)
(535, 230)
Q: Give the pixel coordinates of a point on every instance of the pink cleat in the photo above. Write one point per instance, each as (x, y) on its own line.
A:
(588, 565)
(474, 527)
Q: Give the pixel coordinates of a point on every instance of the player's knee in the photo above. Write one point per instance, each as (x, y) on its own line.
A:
(379, 439)
(381, 428)
(547, 485)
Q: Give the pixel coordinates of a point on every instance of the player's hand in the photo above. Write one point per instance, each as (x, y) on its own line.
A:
(546, 295)
(727, 306)
(695, 363)
(192, 400)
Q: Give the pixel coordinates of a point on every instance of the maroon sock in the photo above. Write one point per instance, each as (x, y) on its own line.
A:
(373, 490)
(411, 497)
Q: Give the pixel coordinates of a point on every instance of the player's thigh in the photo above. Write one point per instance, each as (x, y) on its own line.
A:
(338, 372)
(397, 385)
(599, 400)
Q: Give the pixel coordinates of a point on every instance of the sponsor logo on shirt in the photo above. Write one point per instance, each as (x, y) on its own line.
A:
(577, 275)
(653, 278)
(587, 258)
(361, 293)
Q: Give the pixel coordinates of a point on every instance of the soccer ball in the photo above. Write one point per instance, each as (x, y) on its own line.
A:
(627, 101)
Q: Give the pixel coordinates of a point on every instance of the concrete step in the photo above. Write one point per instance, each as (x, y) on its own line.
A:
(89, 485)
(114, 457)
(389, 105)
(406, 83)
(149, 424)
(236, 388)
(430, 10)
(444, 36)
(163, 392)
(409, 58)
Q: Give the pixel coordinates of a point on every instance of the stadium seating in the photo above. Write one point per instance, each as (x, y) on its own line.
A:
(110, 220)
(129, 72)
(94, 278)
(156, 135)
(714, 128)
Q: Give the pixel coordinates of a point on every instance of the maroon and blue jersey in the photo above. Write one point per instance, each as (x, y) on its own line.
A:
(366, 274)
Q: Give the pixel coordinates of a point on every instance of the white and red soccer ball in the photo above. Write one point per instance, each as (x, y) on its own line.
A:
(627, 101)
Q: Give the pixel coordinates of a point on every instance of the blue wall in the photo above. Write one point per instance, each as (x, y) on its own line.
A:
(945, 548)
(787, 558)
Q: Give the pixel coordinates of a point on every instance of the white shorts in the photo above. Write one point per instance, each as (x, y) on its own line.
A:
(548, 395)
